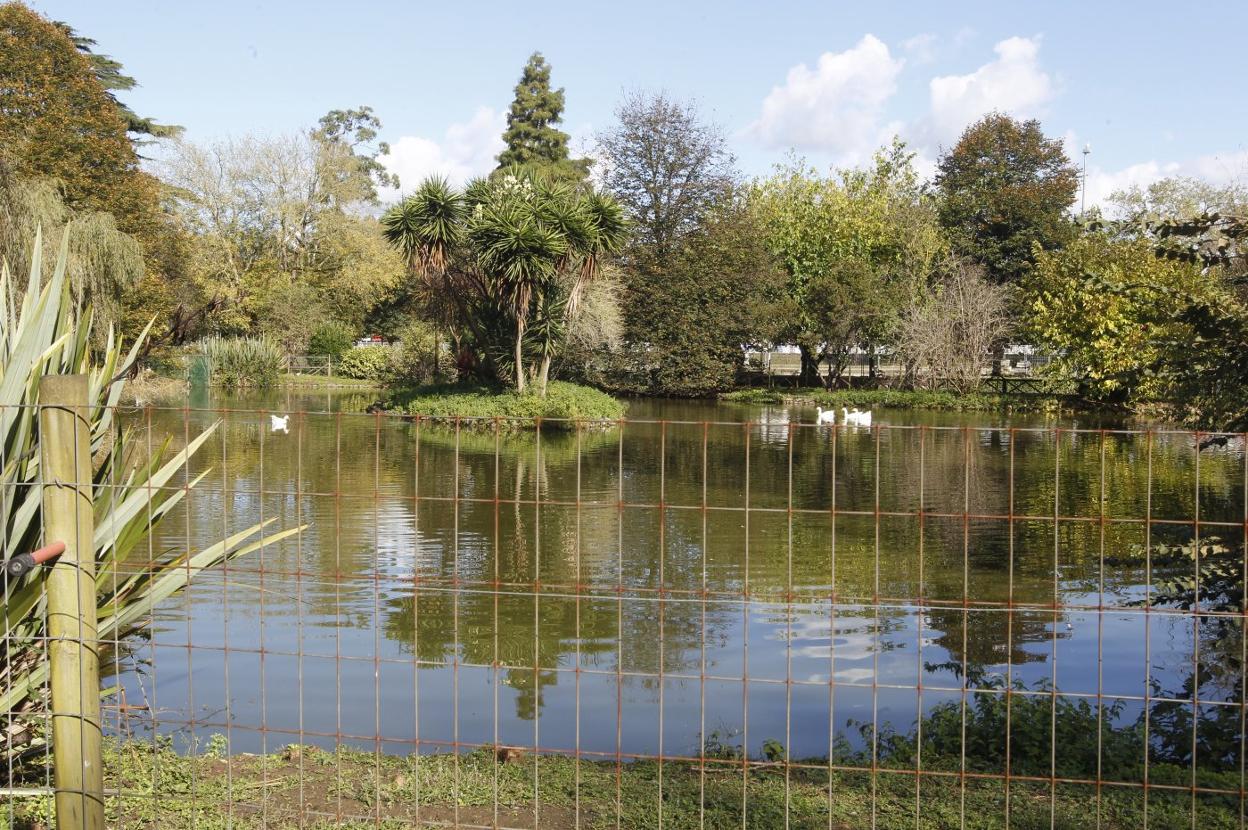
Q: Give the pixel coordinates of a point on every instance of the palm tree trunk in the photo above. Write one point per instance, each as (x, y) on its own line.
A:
(545, 374)
(519, 356)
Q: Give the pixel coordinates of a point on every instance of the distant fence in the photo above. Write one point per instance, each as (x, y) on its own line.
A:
(502, 623)
(782, 367)
(309, 364)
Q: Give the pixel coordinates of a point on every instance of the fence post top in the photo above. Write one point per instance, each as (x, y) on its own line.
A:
(60, 387)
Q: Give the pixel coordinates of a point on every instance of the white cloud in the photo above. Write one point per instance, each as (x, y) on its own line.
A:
(835, 107)
(921, 48)
(1013, 83)
(468, 148)
(839, 107)
(1217, 169)
(1102, 183)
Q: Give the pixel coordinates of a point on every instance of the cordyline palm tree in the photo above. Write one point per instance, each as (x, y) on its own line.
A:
(512, 247)
(518, 255)
(43, 337)
(427, 227)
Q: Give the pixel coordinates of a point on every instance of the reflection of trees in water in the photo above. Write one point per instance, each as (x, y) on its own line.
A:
(527, 629)
(1213, 732)
(802, 560)
(369, 472)
(977, 641)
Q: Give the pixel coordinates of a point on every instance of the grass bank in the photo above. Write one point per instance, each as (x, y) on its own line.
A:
(322, 382)
(901, 399)
(306, 787)
(479, 404)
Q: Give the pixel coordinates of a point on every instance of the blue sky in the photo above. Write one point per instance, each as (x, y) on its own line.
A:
(830, 80)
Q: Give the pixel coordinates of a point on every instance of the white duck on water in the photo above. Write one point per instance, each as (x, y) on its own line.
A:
(856, 417)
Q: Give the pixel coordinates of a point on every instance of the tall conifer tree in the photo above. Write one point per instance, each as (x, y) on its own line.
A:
(533, 138)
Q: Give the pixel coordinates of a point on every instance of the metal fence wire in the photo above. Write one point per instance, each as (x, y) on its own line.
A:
(663, 623)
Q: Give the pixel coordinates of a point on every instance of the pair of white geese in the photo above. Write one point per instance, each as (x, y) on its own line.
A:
(850, 417)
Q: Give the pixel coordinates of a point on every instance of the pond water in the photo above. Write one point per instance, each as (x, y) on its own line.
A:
(609, 592)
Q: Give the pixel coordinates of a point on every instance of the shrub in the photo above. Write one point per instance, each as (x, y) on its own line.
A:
(240, 362)
(412, 361)
(367, 363)
(945, 338)
(332, 340)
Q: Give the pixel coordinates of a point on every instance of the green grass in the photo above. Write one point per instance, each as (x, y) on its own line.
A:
(900, 399)
(311, 788)
(322, 382)
(563, 402)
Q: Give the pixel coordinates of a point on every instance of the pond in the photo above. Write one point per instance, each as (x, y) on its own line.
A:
(608, 592)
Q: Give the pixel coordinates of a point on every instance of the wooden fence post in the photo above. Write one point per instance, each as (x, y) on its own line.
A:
(68, 515)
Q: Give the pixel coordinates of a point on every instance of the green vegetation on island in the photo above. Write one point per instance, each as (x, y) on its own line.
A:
(563, 405)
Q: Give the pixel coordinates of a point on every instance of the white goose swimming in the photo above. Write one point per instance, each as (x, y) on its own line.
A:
(828, 417)
(856, 417)
(278, 423)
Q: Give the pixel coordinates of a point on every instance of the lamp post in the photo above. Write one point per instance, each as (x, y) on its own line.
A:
(1083, 197)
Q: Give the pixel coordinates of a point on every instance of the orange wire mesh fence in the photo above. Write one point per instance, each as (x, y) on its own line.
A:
(496, 623)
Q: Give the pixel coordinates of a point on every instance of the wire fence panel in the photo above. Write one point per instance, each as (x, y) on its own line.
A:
(660, 623)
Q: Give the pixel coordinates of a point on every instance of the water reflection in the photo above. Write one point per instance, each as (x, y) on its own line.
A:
(609, 591)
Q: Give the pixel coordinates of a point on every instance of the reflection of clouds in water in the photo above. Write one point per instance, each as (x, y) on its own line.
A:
(860, 646)
(854, 675)
(850, 645)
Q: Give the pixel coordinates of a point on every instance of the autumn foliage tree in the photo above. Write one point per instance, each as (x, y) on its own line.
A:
(57, 121)
(1005, 188)
(70, 166)
(111, 75)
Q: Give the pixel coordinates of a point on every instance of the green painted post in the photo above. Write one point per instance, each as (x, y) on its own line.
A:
(68, 516)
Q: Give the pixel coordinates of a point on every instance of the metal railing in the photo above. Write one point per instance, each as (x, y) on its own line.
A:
(506, 623)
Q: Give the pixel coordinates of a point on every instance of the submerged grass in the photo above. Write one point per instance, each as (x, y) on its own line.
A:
(563, 402)
(306, 787)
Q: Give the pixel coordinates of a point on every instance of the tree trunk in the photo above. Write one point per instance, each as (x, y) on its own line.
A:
(519, 356)
(998, 355)
(810, 369)
(544, 376)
